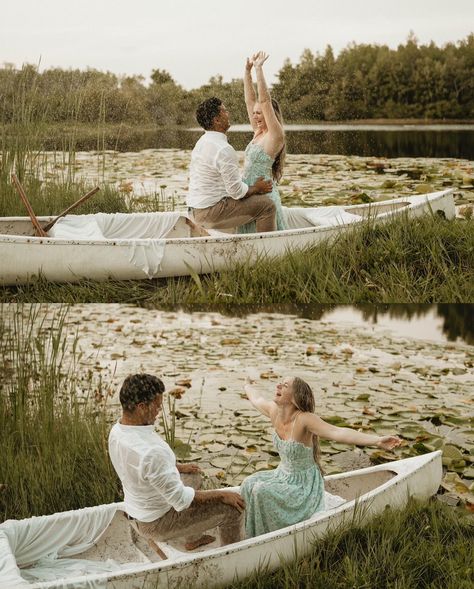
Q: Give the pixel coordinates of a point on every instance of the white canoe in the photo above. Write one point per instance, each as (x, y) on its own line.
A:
(140, 245)
(96, 534)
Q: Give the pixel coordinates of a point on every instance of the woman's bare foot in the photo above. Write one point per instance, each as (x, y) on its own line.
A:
(202, 541)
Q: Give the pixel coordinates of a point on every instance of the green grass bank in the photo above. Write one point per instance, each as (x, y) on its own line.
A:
(421, 547)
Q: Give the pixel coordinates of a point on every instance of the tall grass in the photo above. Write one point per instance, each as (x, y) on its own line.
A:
(424, 260)
(421, 547)
(22, 152)
(53, 436)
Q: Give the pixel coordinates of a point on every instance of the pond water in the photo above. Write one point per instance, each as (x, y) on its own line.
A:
(368, 376)
(438, 322)
(439, 141)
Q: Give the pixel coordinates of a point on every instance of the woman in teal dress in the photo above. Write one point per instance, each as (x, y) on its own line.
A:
(294, 491)
(265, 154)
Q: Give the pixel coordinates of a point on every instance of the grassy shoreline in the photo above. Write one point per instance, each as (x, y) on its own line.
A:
(422, 546)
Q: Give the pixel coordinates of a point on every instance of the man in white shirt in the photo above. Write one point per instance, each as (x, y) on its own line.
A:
(217, 197)
(155, 496)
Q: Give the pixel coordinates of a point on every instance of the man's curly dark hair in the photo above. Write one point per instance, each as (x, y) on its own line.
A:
(139, 388)
(207, 110)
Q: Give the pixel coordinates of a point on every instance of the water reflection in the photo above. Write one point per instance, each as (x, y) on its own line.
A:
(362, 141)
(455, 144)
(440, 322)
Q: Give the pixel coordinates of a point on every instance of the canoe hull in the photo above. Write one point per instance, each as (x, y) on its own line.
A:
(60, 260)
(367, 492)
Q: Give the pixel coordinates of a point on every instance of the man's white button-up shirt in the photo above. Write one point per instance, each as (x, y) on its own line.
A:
(146, 466)
(214, 172)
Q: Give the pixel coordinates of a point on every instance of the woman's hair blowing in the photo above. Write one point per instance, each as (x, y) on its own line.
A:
(277, 168)
(304, 401)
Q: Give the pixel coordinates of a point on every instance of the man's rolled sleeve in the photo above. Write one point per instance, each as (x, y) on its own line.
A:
(164, 477)
(228, 166)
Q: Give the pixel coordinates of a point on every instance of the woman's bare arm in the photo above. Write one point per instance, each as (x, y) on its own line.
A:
(261, 404)
(346, 435)
(249, 92)
(276, 135)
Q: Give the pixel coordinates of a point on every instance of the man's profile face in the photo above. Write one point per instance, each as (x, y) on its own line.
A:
(222, 119)
(150, 410)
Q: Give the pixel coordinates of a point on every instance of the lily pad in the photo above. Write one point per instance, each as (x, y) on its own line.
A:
(452, 453)
(363, 397)
(221, 461)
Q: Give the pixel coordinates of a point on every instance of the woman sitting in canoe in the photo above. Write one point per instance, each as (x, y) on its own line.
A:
(265, 154)
(294, 491)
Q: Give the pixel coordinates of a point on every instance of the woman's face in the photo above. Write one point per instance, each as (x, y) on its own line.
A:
(284, 392)
(258, 117)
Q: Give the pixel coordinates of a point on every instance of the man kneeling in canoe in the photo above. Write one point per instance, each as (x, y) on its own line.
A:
(156, 498)
(217, 196)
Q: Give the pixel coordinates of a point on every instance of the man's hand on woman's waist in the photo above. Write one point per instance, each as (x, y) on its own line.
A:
(261, 186)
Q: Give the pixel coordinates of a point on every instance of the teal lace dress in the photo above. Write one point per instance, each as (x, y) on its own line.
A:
(291, 493)
(258, 163)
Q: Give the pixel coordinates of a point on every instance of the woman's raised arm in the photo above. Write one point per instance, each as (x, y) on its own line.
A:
(346, 435)
(261, 404)
(249, 92)
(274, 127)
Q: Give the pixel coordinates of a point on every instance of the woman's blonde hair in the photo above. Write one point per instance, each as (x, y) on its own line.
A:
(278, 164)
(304, 401)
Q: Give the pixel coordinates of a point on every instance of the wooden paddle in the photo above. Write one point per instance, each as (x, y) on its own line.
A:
(48, 226)
(38, 229)
(42, 231)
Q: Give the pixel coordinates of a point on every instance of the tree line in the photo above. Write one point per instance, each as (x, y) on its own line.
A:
(362, 82)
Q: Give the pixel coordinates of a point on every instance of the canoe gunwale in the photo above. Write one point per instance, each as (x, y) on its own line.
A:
(420, 202)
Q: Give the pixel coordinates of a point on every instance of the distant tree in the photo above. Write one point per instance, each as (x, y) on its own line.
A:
(362, 81)
(160, 77)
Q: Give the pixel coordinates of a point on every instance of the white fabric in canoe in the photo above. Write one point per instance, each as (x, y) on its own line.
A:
(298, 217)
(42, 540)
(332, 501)
(115, 226)
(51, 568)
(144, 233)
(77, 227)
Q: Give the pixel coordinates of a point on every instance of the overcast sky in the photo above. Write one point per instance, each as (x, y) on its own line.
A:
(196, 39)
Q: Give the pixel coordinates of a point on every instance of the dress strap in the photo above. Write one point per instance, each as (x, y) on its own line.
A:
(293, 426)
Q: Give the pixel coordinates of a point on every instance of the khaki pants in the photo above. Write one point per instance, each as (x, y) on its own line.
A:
(195, 520)
(229, 213)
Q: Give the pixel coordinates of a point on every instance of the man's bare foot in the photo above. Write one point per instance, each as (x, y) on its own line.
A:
(202, 541)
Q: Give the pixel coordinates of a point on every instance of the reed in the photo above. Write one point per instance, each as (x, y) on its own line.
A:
(52, 434)
(23, 133)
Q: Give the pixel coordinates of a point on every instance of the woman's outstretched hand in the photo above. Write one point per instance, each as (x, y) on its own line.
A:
(249, 64)
(259, 58)
(389, 442)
